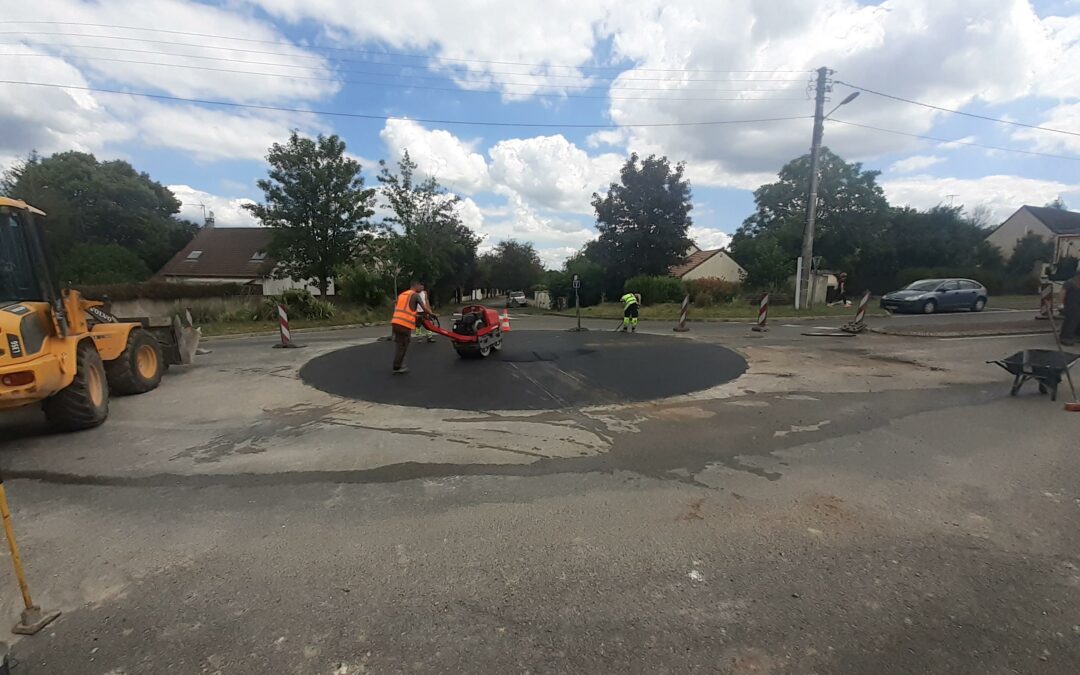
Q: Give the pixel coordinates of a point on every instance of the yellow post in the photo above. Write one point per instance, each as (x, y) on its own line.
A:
(32, 619)
(16, 561)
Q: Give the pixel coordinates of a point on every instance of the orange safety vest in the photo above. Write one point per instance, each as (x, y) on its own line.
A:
(404, 315)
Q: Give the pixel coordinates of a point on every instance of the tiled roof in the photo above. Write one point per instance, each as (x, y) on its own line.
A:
(692, 261)
(1058, 220)
(237, 252)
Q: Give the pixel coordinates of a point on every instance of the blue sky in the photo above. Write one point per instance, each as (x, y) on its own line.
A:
(560, 64)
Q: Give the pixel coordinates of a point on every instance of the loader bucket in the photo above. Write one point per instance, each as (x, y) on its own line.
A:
(179, 340)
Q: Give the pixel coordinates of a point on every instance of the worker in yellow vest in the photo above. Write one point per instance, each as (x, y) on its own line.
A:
(409, 304)
(630, 311)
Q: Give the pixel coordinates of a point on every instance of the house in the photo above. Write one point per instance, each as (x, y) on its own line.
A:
(229, 255)
(708, 264)
(1049, 223)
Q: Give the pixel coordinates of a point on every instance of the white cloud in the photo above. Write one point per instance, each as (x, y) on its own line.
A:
(915, 163)
(49, 119)
(178, 15)
(708, 238)
(1003, 194)
(552, 172)
(437, 153)
(228, 211)
(1065, 117)
(209, 135)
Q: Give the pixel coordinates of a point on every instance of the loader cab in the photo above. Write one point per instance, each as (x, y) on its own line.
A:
(23, 272)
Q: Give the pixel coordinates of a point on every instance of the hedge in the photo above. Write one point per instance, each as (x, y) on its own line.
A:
(166, 290)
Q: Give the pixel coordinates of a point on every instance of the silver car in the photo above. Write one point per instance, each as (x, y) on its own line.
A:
(937, 295)
(516, 299)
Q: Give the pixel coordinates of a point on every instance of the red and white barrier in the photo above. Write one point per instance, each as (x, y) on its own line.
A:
(1046, 302)
(858, 325)
(683, 311)
(762, 314)
(283, 329)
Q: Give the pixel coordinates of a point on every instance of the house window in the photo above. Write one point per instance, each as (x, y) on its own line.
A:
(258, 256)
(193, 256)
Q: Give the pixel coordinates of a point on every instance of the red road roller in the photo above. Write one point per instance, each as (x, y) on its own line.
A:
(476, 334)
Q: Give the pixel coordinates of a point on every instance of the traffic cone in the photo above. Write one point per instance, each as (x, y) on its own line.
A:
(504, 320)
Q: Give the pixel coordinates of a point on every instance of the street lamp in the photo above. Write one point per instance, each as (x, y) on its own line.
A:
(811, 205)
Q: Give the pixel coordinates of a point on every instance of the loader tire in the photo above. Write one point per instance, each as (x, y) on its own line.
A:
(139, 368)
(84, 403)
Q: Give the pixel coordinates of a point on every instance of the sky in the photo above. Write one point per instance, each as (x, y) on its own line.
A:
(574, 87)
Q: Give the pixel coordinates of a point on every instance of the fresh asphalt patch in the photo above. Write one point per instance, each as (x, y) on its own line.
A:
(535, 370)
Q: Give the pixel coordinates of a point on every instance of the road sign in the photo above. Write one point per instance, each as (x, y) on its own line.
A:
(577, 282)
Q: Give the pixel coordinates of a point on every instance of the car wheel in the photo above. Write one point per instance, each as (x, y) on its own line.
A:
(929, 307)
(979, 305)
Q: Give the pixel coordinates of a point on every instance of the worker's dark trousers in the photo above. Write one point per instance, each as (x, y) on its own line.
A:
(402, 338)
(1070, 328)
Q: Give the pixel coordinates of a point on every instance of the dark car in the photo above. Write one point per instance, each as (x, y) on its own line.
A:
(937, 295)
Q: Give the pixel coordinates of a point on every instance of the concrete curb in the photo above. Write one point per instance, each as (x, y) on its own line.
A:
(313, 329)
(971, 332)
(719, 319)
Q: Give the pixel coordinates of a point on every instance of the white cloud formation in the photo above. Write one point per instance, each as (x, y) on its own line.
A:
(552, 172)
(228, 211)
(90, 53)
(1002, 194)
(1065, 117)
(915, 163)
(708, 238)
(437, 153)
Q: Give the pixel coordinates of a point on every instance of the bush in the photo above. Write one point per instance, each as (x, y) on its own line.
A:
(718, 290)
(704, 299)
(361, 286)
(165, 290)
(300, 304)
(655, 290)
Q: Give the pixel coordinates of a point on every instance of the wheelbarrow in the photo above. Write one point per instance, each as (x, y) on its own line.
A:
(1045, 366)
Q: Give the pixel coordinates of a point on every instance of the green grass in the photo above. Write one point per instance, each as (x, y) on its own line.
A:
(343, 317)
(1013, 302)
(726, 312)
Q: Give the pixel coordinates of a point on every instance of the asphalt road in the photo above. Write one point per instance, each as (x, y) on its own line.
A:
(868, 504)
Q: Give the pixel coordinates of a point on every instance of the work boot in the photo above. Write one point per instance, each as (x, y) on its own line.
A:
(401, 371)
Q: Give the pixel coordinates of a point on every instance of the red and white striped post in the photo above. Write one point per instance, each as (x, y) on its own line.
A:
(762, 314)
(681, 328)
(283, 329)
(1046, 302)
(858, 325)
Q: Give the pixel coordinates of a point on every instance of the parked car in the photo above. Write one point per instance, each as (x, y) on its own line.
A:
(516, 299)
(937, 295)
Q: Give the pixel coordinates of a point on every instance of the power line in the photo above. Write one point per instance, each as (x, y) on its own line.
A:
(956, 142)
(960, 112)
(332, 113)
(204, 57)
(431, 88)
(372, 53)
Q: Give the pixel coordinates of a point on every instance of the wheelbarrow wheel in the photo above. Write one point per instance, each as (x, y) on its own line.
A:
(1043, 388)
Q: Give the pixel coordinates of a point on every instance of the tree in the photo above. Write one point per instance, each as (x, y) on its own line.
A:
(92, 203)
(852, 213)
(1030, 250)
(643, 219)
(316, 205)
(1058, 204)
(515, 266)
(430, 242)
(101, 264)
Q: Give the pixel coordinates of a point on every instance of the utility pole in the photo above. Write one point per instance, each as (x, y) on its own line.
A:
(811, 202)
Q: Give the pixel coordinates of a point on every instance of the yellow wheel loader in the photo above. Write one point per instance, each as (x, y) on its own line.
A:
(62, 350)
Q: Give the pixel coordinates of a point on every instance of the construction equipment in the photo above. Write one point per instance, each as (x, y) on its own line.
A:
(62, 350)
(477, 333)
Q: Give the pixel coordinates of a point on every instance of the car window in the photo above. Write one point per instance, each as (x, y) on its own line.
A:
(924, 285)
(950, 285)
(969, 285)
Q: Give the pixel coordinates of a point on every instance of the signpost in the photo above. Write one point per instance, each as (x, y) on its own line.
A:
(577, 304)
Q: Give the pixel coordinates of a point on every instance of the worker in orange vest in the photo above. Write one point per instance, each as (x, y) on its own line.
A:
(403, 323)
